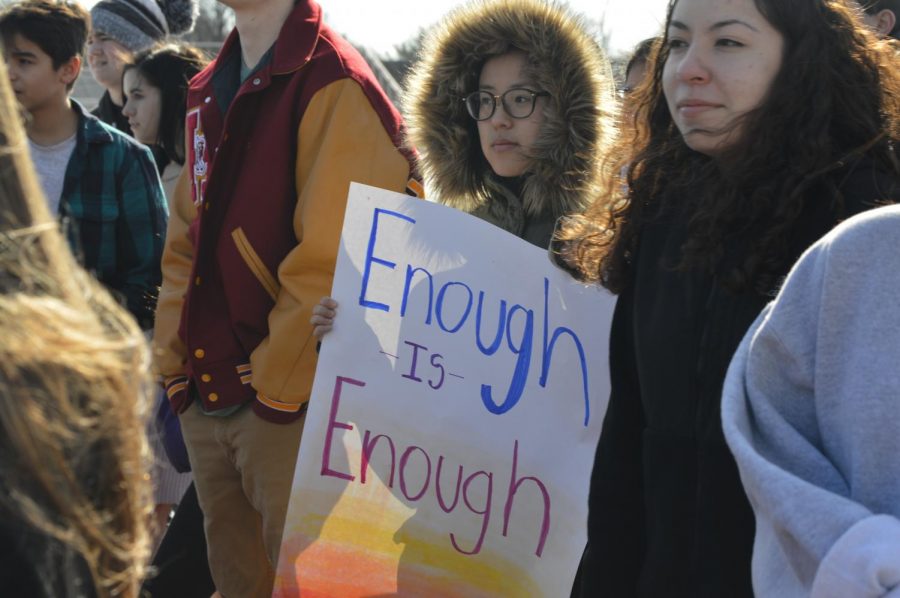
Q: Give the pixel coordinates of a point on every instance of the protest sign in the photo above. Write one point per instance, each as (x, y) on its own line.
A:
(454, 416)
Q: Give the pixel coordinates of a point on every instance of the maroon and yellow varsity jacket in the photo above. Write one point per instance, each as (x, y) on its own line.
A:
(257, 215)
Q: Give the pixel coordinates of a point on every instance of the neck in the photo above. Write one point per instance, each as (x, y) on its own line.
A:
(258, 27)
(51, 124)
(514, 183)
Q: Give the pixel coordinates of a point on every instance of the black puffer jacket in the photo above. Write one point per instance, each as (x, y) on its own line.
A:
(564, 60)
(668, 515)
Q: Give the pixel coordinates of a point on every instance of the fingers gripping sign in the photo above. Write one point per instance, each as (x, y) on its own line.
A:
(323, 317)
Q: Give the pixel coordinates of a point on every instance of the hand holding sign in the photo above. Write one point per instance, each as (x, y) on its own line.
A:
(323, 317)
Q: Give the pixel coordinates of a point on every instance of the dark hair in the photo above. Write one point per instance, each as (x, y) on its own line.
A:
(169, 68)
(873, 7)
(835, 99)
(641, 54)
(60, 28)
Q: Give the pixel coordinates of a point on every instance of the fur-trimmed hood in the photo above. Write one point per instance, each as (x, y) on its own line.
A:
(563, 59)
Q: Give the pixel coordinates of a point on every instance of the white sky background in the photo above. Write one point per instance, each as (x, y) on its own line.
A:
(381, 25)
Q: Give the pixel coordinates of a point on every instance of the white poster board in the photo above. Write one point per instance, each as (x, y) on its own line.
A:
(454, 416)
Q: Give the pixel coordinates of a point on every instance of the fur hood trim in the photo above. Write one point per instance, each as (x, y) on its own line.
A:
(563, 59)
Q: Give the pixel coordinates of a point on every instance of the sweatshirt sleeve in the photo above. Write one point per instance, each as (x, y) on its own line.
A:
(341, 139)
(810, 412)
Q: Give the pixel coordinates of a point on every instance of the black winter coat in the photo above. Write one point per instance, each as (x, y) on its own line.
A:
(667, 513)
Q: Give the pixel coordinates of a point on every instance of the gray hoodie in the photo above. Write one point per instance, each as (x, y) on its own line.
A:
(811, 411)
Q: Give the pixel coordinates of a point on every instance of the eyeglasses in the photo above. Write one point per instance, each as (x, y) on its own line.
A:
(517, 102)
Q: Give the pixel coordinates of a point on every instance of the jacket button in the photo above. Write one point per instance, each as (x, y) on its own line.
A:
(197, 281)
(199, 353)
(206, 378)
(213, 397)
(207, 100)
(257, 81)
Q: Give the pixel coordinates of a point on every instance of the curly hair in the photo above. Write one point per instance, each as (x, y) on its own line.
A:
(835, 100)
(73, 375)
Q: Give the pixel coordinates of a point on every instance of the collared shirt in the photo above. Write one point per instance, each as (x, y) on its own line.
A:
(114, 213)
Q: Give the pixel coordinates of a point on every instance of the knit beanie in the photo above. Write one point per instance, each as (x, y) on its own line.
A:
(137, 24)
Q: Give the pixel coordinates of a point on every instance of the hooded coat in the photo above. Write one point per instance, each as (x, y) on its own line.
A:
(562, 59)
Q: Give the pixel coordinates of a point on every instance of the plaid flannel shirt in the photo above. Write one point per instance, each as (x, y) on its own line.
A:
(114, 213)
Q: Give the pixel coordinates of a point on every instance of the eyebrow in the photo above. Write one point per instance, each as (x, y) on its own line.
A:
(716, 25)
(517, 85)
(22, 54)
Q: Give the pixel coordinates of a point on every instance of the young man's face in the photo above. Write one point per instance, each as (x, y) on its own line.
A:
(107, 59)
(32, 76)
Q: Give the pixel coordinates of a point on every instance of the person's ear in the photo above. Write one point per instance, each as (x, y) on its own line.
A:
(70, 70)
(885, 21)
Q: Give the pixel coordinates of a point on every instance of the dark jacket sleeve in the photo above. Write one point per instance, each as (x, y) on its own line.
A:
(612, 559)
(140, 235)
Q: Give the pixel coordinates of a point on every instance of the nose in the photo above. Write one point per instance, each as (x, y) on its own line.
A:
(500, 119)
(693, 67)
(128, 109)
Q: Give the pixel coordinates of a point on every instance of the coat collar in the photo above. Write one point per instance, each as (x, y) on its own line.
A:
(296, 41)
(90, 128)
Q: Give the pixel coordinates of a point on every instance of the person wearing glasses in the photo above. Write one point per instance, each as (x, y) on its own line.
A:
(511, 107)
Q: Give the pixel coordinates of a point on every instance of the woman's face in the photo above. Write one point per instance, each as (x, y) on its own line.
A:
(507, 142)
(723, 57)
(143, 105)
(107, 59)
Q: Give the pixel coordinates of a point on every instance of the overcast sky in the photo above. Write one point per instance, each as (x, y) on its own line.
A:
(382, 25)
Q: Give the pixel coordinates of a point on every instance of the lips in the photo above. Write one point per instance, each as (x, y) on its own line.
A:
(694, 107)
(504, 145)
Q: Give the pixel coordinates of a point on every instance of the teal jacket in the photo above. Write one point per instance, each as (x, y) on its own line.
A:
(114, 213)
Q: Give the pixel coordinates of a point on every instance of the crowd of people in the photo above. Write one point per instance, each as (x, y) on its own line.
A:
(167, 260)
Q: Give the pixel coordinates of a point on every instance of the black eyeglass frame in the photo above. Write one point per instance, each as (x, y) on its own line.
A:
(501, 99)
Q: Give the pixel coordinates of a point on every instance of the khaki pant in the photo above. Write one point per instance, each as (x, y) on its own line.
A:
(243, 469)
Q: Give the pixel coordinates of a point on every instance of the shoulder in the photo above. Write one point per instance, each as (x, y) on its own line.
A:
(857, 254)
(202, 79)
(875, 230)
(118, 142)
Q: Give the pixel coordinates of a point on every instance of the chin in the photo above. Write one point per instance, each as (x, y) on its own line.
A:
(708, 144)
(508, 170)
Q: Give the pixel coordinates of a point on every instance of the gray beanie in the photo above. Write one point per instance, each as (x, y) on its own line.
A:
(137, 24)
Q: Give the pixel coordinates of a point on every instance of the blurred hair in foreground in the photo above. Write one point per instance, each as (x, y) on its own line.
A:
(73, 373)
